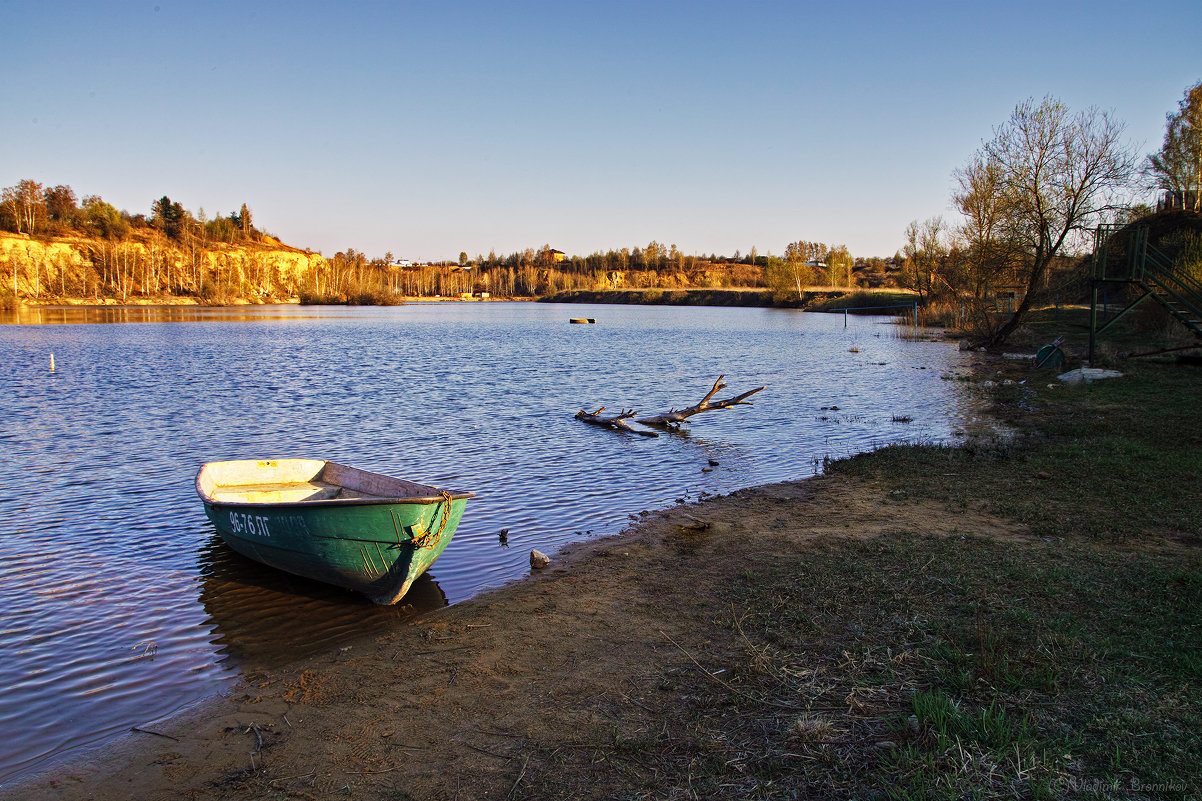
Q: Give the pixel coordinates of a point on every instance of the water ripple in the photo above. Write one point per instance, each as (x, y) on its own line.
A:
(118, 603)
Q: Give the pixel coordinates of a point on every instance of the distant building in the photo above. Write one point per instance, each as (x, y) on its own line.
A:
(558, 256)
(404, 263)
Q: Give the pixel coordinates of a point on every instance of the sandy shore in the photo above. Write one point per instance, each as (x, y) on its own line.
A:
(469, 701)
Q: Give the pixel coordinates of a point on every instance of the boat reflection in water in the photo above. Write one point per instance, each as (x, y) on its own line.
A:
(262, 618)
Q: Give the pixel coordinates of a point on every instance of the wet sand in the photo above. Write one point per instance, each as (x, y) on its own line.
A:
(468, 701)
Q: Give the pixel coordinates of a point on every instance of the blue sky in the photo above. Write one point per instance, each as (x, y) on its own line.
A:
(427, 128)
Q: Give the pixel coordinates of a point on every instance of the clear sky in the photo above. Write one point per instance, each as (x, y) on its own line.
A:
(427, 128)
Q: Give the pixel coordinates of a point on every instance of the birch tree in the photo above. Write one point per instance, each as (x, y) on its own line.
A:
(838, 265)
(25, 204)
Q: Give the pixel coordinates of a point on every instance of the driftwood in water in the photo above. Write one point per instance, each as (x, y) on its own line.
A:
(677, 416)
(617, 422)
(670, 420)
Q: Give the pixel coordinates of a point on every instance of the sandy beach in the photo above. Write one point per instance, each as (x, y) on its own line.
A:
(453, 705)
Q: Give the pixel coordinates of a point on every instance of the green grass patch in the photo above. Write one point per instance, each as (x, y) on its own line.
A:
(935, 667)
(1117, 460)
(667, 297)
(1063, 662)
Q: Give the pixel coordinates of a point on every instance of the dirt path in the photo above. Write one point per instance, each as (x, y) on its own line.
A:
(511, 693)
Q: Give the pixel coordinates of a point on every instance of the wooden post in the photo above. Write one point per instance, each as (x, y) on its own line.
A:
(1093, 318)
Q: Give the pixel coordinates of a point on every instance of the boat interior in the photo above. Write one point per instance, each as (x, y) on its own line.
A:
(273, 481)
(281, 493)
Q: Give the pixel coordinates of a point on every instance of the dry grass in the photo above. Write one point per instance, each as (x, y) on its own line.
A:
(1059, 662)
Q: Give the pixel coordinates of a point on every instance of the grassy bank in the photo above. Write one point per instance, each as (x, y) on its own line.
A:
(1047, 645)
(666, 297)
(1064, 663)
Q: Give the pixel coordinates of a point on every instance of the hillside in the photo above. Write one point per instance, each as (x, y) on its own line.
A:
(147, 267)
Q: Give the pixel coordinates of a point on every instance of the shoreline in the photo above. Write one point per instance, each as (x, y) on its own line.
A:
(789, 637)
(206, 743)
(816, 299)
(888, 302)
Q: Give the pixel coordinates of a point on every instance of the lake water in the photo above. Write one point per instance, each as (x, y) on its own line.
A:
(119, 604)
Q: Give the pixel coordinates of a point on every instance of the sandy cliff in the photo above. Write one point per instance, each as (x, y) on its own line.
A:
(149, 267)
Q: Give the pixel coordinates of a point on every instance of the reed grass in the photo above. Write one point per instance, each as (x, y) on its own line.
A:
(355, 297)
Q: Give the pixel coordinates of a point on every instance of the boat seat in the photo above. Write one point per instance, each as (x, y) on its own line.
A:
(279, 493)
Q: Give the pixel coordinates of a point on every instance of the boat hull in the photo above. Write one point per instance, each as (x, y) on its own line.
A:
(376, 549)
(364, 531)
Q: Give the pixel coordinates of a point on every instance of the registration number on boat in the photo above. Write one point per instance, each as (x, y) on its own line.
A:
(242, 523)
(261, 525)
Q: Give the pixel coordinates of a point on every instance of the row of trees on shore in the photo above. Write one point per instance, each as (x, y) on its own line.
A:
(30, 208)
(544, 271)
(171, 251)
(1027, 201)
(87, 249)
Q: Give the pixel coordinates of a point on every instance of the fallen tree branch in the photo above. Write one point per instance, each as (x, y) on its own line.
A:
(617, 422)
(675, 417)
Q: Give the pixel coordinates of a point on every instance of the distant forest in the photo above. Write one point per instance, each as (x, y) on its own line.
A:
(32, 209)
(171, 251)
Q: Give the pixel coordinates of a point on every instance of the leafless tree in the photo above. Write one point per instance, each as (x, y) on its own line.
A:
(1049, 174)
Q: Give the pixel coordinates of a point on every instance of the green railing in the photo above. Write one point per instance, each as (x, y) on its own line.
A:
(1183, 291)
(1131, 259)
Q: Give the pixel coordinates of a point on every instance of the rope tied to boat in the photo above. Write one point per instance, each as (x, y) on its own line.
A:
(431, 539)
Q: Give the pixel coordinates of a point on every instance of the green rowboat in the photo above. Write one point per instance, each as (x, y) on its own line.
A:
(368, 532)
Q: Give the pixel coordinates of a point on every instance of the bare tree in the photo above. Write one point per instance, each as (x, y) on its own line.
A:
(1055, 174)
(925, 254)
(25, 203)
(987, 254)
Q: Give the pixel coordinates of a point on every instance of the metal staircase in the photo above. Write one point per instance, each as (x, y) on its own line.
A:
(1123, 255)
(1178, 292)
